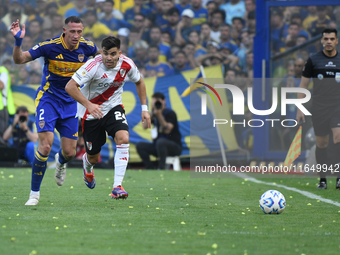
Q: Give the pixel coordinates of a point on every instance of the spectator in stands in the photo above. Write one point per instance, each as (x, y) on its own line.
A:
(233, 8)
(250, 6)
(250, 61)
(3, 11)
(138, 7)
(297, 19)
(141, 51)
(4, 54)
(200, 13)
(173, 18)
(317, 26)
(205, 36)
(133, 38)
(34, 31)
(237, 27)
(213, 47)
(103, 5)
(27, 43)
(23, 76)
(241, 53)
(189, 50)
(312, 16)
(109, 20)
(182, 5)
(166, 39)
(162, 68)
(217, 19)
(160, 17)
(155, 39)
(194, 39)
(51, 10)
(181, 63)
(123, 6)
(35, 78)
(184, 27)
(174, 49)
(293, 31)
(78, 10)
(63, 6)
(225, 38)
(21, 132)
(165, 135)
(251, 22)
(57, 25)
(93, 26)
(15, 11)
(211, 7)
(123, 35)
(278, 31)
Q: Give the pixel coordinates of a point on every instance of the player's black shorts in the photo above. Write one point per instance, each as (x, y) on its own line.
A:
(324, 119)
(94, 130)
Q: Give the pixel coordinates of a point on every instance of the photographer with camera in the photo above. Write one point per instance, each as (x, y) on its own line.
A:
(165, 134)
(23, 136)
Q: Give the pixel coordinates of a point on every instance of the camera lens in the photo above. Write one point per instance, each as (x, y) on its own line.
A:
(22, 118)
(158, 105)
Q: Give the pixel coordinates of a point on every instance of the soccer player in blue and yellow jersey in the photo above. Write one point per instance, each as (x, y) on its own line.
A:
(63, 55)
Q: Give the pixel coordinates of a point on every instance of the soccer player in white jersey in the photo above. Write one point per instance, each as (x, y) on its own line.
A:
(101, 110)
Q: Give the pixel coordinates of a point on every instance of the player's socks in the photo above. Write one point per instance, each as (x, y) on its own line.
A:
(38, 170)
(121, 161)
(321, 158)
(62, 159)
(86, 164)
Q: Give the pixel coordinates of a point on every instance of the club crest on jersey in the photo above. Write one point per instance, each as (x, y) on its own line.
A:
(81, 57)
(83, 73)
(320, 76)
(42, 124)
(89, 145)
(122, 72)
(337, 77)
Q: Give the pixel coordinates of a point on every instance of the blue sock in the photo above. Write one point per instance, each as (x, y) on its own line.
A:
(62, 159)
(38, 170)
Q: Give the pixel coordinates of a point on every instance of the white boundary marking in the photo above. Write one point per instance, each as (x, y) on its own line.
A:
(302, 192)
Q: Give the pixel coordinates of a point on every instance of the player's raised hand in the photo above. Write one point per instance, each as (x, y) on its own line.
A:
(15, 29)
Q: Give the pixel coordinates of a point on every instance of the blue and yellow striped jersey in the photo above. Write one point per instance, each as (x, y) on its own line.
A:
(60, 63)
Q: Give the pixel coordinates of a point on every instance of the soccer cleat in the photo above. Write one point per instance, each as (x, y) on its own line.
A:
(322, 185)
(337, 184)
(60, 171)
(33, 200)
(119, 193)
(89, 179)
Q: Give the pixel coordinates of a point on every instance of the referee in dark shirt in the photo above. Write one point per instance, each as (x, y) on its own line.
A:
(324, 68)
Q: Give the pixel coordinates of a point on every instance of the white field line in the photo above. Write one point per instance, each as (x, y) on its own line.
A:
(302, 192)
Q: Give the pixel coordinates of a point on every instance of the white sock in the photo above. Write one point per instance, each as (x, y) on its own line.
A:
(87, 165)
(35, 193)
(121, 161)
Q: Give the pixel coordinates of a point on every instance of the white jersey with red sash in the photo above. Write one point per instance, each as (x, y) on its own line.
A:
(104, 86)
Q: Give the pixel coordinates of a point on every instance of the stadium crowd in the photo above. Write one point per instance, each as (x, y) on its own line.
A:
(165, 37)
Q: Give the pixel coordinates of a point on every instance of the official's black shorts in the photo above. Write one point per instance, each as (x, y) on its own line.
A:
(94, 131)
(324, 119)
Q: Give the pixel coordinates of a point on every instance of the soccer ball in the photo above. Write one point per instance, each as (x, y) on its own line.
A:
(272, 202)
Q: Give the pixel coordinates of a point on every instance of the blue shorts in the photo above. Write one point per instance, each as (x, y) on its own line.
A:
(54, 113)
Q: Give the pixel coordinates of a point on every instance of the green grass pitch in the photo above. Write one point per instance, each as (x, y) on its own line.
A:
(166, 212)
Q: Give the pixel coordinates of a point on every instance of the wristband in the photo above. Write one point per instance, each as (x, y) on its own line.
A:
(144, 108)
(18, 40)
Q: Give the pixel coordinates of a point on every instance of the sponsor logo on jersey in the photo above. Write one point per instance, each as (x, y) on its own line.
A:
(78, 76)
(337, 77)
(330, 63)
(42, 124)
(104, 76)
(320, 76)
(89, 145)
(81, 57)
(75, 135)
(60, 56)
(122, 72)
(35, 47)
(125, 158)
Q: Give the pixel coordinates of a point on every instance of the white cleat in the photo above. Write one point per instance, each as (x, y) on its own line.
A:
(33, 200)
(60, 171)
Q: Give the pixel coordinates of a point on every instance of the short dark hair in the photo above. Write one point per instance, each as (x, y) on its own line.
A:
(172, 11)
(21, 109)
(155, 46)
(218, 11)
(329, 30)
(111, 42)
(158, 95)
(73, 19)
